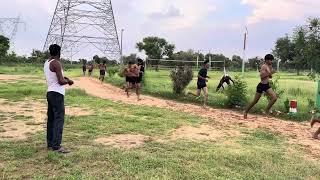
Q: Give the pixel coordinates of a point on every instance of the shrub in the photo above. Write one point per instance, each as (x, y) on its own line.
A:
(311, 104)
(121, 71)
(181, 77)
(112, 71)
(312, 76)
(275, 86)
(286, 105)
(237, 93)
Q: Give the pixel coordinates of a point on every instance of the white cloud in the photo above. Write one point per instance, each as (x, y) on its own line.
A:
(190, 12)
(282, 10)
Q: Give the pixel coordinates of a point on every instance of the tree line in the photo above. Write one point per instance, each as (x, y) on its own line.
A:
(301, 50)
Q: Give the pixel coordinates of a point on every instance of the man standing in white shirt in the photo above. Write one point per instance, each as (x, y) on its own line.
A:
(55, 97)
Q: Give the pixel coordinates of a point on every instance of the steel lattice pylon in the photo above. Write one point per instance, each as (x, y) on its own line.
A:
(9, 27)
(84, 25)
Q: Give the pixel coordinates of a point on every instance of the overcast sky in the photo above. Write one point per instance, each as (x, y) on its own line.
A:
(215, 25)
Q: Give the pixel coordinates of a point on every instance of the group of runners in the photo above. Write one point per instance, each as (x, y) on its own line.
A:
(102, 67)
(134, 74)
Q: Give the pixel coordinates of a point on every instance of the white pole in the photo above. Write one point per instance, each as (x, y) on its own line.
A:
(244, 49)
(121, 46)
(198, 60)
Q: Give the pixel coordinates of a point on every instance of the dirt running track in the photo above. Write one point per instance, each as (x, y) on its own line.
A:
(297, 133)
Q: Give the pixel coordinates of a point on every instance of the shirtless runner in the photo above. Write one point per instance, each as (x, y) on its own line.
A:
(264, 86)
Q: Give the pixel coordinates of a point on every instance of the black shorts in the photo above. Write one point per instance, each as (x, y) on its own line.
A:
(102, 72)
(201, 85)
(90, 71)
(139, 79)
(132, 80)
(84, 69)
(263, 88)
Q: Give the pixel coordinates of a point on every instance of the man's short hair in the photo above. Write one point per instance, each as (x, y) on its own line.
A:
(130, 62)
(205, 62)
(269, 57)
(54, 50)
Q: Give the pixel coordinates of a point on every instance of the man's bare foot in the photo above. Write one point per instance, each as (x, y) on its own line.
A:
(312, 122)
(315, 137)
(205, 107)
(245, 116)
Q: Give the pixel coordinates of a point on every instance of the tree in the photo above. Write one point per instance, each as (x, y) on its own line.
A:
(236, 62)
(96, 59)
(299, 41)
(38, 56)
(284, 49)
(156, 48)
(313, 45)
(127, 59)
(255, 63)
(4, 46)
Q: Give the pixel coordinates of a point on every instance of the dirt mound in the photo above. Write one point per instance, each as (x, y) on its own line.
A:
(125, 141)
(204, 132)
(298, 133)
(24, 118)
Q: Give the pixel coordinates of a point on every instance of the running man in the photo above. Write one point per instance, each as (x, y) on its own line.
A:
(139, 79)
(225, 79)
(202, 83)
(84, 68)
(103, 69)
(91, 67)
(55, 96)
(266, 73)
(132, 75)
(314, 121)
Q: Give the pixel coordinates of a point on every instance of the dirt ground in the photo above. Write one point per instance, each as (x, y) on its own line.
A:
(297, 133)
(22, 119)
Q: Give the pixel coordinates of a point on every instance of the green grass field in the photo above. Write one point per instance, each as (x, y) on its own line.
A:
(258, 154)
(299, 88)
(295, 87)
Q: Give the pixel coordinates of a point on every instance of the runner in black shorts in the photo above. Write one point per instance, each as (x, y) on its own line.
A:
(202, 83)
(91, 67)
(84, 68)
(139, 79)
(266, 73)
(103, 68)
(132, 75)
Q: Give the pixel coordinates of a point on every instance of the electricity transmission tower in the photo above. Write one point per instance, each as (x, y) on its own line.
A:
(9, 27)
(83, 28)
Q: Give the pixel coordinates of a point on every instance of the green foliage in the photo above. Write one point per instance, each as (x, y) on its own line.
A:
(311, 104)
(286, 105)
(181, 77)
(301, 51)
(155, 47)
(312, 76)
(112, 71)
(276, 87)
(237, 93)
(121, 71)
(4, 46)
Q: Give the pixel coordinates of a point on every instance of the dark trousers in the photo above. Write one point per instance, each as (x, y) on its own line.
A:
(55, 119)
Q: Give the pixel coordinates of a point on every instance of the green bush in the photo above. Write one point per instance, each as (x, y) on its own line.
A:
(275, 86)
(112, 71)
(181, 77)
(237, 93)
(286, 105)
(121, 71)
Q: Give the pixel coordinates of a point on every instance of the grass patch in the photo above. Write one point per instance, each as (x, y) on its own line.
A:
(260, 154)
